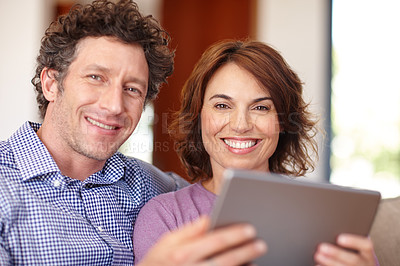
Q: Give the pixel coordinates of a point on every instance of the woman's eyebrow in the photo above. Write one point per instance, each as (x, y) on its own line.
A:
(223, 96)
(262, 99)
(226, 97)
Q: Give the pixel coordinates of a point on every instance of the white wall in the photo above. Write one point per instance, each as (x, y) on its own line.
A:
(299, 30)
(22, 23)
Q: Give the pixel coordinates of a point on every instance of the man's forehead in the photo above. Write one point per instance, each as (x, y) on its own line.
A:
(87, 43)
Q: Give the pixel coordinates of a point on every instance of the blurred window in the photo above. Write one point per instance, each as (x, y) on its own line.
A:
(366, 95)
(140, 143)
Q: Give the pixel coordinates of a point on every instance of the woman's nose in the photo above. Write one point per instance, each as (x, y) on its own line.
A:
(240, 121)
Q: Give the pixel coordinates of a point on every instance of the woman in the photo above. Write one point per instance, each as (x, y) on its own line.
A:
(242, 107)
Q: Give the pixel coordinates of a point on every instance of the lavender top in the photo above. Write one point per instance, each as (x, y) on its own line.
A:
(167, 212)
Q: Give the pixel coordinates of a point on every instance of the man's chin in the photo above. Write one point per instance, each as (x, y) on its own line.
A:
(100, 152)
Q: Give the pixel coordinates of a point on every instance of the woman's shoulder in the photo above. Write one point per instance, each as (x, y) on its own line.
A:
(182, 206)
(193, 192)
(169, 200)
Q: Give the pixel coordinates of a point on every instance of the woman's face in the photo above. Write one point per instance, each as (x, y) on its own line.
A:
(239, 123)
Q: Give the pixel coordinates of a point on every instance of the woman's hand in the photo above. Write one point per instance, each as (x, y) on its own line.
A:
(331, 255)
(193, 245)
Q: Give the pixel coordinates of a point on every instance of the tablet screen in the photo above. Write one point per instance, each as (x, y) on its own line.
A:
(293, 216)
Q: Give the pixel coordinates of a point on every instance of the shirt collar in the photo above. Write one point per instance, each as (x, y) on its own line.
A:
(31, 156)
(113, 170)
(33, 159)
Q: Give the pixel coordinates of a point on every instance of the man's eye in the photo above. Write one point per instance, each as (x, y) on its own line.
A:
(221, 106)
(133, 90)
(95, 77)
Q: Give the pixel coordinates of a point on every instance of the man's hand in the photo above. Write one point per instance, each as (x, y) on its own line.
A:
(194, 245)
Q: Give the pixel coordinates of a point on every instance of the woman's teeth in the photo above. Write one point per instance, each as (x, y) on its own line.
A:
(240, 144)
(96, 123)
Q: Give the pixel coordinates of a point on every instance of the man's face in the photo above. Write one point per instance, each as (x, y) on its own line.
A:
(102, 99)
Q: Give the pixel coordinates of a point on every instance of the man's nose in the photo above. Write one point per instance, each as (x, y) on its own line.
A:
(112, 99)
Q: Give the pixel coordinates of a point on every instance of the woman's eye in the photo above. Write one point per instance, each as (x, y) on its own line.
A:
(262, 108)
(221, 106)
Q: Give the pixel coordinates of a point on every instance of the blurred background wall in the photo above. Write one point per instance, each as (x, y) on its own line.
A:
(22, 24)
(300, 30)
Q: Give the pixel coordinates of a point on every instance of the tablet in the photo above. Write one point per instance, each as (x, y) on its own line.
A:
(292, 216)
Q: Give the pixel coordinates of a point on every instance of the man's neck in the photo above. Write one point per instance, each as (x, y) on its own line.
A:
(70, 163)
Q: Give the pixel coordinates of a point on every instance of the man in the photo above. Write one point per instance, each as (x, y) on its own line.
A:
(67, 197)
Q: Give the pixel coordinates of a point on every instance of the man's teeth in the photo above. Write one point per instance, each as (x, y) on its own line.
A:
(240, 144)
(100, 124)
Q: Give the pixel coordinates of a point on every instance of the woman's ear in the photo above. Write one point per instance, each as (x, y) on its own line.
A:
(49, 83)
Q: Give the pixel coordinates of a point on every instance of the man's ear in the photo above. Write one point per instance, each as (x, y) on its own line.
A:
(49, 83)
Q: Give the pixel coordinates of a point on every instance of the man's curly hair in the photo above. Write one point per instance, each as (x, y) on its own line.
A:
(121, 20)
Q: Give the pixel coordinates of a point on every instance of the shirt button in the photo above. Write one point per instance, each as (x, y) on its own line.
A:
(100, 228)
(57, 183)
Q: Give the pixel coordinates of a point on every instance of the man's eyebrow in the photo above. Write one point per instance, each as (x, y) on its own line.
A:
(97, 67)
(226, 97)
(138, 81)
(107, 70)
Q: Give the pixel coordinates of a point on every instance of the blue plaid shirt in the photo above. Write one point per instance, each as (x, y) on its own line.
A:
(50, 219)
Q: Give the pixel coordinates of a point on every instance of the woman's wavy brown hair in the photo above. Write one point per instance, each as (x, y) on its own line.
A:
(296, 145)
(121, 20)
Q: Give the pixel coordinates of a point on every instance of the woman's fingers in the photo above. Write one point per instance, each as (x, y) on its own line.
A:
(237, 240)
(193, 244)
(350, 250)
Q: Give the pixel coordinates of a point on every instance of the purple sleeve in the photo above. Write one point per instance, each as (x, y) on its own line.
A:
(152, 222)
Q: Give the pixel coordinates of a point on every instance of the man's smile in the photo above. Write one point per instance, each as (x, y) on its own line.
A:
(101, 125)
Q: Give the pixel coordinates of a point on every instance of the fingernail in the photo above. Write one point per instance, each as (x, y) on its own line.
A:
(342, 239)
(324, 248)
(250, 231)
(261, 246)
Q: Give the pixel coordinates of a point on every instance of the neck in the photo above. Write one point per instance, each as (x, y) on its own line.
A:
(70, 163)
(213, 184)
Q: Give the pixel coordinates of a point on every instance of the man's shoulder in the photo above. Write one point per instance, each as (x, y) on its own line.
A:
(8, 166)
(10, 181)
(4, 146)
(7, 160)
(19, 142)
(166, 181)
(5, 150)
